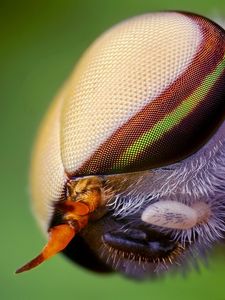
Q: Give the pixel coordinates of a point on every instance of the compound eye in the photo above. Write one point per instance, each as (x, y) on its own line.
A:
(148, 93)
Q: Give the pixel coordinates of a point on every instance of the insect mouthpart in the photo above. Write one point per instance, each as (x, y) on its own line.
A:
(83, 197)
(143, 245)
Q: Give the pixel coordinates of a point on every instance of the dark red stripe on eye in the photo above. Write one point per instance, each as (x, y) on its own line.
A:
(210, 53)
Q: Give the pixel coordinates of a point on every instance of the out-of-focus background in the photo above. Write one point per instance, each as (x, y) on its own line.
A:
(40, 41)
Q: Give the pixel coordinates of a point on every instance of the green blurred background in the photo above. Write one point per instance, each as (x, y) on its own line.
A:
(40, 42)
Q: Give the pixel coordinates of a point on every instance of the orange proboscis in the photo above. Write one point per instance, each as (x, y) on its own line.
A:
(61, 235)
(59, 238)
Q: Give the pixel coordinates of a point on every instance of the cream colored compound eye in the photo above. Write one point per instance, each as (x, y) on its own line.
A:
(139, 121)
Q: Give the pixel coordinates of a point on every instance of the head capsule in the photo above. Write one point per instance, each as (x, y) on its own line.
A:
(149, 93)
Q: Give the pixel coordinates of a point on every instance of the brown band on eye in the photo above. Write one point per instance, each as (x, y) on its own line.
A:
(184, 138)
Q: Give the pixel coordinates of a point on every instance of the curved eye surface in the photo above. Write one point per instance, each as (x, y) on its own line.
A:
(149, 92)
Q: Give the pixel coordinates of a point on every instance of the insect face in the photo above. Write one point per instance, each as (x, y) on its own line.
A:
(128, 169)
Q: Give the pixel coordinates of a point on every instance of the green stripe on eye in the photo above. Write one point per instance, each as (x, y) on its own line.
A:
(171, 120)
